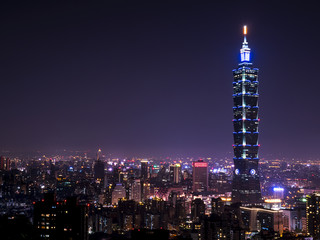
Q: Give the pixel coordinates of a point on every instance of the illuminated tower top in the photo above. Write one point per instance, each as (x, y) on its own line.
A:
(98, 154)
(245, 50)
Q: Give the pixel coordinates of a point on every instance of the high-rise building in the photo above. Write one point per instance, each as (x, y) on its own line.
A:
(135, 193)
(60, 220)
(270, 220)
(146, 190)
(198, 209)
(99, 168)
(278, 192)
(4, 163)
(313, 215)
(118, 192)
(294, 219)
(154, 170)
(246, 184)
(217, 206)
(175, 173)
(256, 219)
(8, 167)
(64, 188)
(144, 169)
(200, 176)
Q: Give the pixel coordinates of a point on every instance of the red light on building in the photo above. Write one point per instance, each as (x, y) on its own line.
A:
(200, 164)
(200, 176)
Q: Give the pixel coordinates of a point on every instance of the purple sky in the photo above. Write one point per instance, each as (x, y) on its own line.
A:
(155, 78)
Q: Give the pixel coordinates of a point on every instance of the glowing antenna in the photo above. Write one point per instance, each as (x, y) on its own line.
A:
(245, 29)
(245, 50)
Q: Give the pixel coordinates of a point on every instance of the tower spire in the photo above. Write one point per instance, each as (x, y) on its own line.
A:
(245, 50)
(245, 34)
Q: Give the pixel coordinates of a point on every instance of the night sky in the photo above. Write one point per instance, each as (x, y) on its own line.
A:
(155, 78)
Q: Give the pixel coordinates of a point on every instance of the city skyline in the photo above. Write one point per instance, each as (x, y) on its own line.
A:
(142, 120)
(154, 80)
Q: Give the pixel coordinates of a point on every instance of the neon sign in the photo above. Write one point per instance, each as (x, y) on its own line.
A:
(200, 164)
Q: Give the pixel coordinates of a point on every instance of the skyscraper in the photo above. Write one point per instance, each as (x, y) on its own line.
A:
(175, 173)
(200, 176)
(99, 168)
(313, 215)
(118, 192)
(60, 220)
(135, 190)
(198, 209)
(246, 184)
(144, 169)
(4, 163)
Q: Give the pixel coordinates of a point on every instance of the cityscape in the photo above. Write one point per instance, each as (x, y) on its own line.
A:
(99, 154)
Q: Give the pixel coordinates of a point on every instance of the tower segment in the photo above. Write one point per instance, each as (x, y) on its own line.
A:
(246, 184)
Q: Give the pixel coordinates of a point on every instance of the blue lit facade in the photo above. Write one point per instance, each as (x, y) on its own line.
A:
(246, 184)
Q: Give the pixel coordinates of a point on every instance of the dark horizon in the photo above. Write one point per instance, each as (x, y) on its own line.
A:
(152, 78)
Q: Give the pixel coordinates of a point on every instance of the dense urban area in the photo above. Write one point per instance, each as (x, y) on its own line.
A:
(80, 197)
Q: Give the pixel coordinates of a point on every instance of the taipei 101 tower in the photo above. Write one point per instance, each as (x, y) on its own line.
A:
(246, 184)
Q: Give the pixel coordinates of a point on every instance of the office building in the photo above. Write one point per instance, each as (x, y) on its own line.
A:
(200, 176)
(278, 192)
(144, 169)
(60, 220)
(175, 173)
(313, 215)
(118, 192)
(4, 163)
(99, 169)
(198, 209)
(294, 219)
(136, 188)
(246, 184)
(258, 219)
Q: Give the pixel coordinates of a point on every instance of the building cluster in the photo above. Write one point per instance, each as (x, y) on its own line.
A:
(78, 197)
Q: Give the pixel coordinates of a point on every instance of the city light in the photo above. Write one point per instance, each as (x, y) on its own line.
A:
(278, 189)
(157, 102)
(272, 200)
(200, 164)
